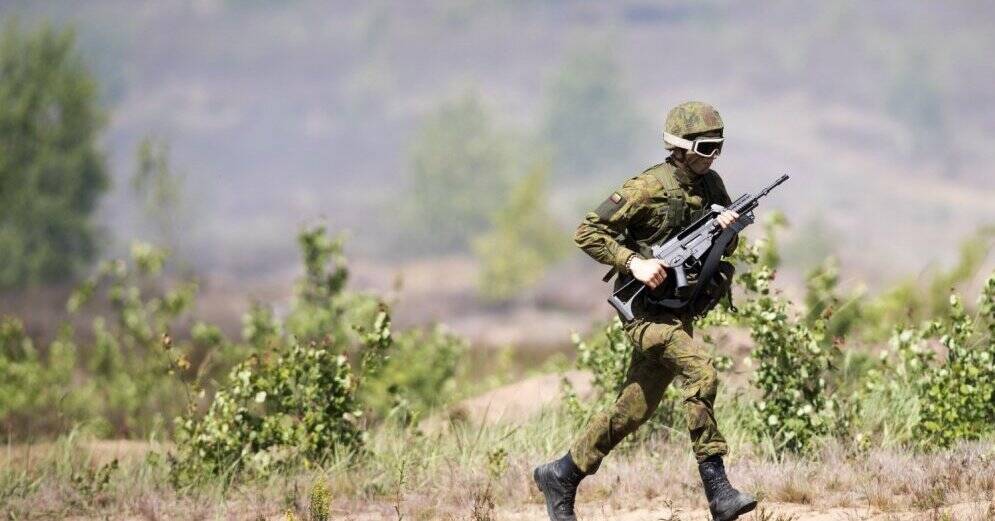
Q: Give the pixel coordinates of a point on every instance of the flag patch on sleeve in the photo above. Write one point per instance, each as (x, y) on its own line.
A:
(611, 205)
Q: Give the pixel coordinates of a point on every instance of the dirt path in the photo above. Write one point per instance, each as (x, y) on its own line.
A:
(767, 512)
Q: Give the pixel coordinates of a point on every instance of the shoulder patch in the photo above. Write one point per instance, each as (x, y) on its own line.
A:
(611, 205)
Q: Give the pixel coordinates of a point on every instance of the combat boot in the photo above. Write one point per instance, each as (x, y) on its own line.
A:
(725, 502)
(558, 481)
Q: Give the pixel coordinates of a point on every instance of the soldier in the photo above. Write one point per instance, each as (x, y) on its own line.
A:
(653, 205)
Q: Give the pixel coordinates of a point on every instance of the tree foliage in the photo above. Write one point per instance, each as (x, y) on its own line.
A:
(523, 242)
(461, 166)
(51, 171)
(590, 117)
(159, 188)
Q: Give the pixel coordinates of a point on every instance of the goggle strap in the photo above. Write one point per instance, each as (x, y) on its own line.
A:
(677, 141)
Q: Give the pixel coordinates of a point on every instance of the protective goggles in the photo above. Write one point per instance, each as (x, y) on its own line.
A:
(703, 146)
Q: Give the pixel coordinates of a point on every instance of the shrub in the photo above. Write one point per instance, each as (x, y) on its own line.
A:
(950, 398)
(321, 307)
(290, 406)
(295, 399)
(120, 379)
(419, 375)
(34, 396)
(796, 405)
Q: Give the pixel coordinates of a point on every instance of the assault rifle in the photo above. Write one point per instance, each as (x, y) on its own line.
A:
(697, 248)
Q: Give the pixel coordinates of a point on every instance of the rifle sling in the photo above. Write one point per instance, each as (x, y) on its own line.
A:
(707, 270)
(712, 261)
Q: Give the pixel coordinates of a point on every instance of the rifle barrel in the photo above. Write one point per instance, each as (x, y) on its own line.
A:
(750, 203)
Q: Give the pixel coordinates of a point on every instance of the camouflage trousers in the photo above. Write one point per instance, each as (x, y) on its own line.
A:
(664, 349)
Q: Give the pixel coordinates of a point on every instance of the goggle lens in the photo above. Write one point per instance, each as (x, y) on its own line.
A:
(708, 148)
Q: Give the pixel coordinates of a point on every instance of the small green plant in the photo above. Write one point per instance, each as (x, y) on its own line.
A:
(123, 372)
(320, 501)
(497, 462)
(824, 302)
(90, 483)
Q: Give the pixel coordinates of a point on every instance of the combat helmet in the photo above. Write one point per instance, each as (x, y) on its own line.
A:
(689, 118)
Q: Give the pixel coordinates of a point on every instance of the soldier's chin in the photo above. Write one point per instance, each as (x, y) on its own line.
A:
(702, 167)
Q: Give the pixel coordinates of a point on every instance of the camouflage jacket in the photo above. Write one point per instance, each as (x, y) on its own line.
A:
(647, 208)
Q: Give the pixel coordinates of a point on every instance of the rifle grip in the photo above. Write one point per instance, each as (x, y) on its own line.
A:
(682, 279)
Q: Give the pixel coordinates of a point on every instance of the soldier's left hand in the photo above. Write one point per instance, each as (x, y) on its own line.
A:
(726, 218)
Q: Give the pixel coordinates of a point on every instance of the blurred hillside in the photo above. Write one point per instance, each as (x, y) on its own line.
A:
(278, 113)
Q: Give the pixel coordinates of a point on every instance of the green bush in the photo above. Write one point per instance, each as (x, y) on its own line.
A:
(793, 359)
(290, 406)
(295, 399)
(951, 397)
(288, 392)
(321, 308)
(420, 374)
(301, 395)
(34, 397)
(823, 301)
(119, 379)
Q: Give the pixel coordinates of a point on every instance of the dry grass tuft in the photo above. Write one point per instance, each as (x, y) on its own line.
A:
(467, 472)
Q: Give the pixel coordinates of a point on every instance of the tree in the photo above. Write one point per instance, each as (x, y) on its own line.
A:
(51, 172)
(590, 118)
(160, 190)
(523, 242)
(460, 170)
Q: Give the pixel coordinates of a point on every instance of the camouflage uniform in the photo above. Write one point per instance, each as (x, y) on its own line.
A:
(648, 207)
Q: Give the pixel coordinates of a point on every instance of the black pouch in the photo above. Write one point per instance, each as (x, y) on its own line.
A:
(714, 289)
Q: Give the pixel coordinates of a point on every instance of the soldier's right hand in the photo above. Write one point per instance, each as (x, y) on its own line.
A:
(651, 272)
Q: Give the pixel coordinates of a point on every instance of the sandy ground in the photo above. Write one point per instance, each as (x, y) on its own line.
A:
(767, 511)
(519, 401)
